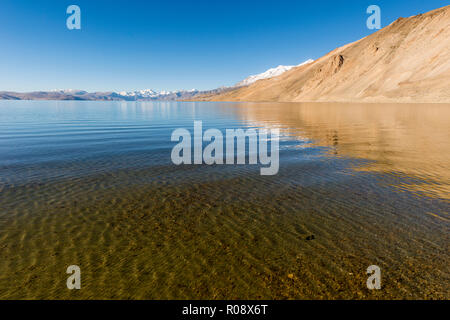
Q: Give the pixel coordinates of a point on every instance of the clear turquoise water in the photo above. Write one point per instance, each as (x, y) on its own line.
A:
(92, 184)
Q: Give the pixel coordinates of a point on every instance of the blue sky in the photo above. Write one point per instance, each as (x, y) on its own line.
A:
(169, 45)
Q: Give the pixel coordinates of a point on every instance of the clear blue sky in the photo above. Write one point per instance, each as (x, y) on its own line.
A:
(169, 45)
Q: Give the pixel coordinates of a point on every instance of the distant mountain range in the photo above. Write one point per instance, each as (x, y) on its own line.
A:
(70, 94)
(138, 95)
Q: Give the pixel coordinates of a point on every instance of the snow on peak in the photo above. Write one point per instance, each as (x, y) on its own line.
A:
(272, 72)
(68, 91)
(149, 93)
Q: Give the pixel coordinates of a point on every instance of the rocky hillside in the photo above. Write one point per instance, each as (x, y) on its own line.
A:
(407, 61)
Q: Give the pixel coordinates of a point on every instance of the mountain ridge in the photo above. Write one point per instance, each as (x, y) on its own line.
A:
(73, 94)
(407, 61)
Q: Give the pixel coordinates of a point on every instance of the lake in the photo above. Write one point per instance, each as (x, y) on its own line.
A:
(92, 184)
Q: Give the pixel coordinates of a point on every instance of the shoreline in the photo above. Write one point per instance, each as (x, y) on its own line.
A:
(248, 101)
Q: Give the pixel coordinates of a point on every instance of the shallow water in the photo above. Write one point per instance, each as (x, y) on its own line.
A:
(92, 184)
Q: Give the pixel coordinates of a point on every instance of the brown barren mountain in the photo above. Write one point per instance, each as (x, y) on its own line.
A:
(407, 61)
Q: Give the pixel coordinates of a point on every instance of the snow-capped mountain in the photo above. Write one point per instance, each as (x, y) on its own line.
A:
(151, 94)
(273, 72)
(147, 93)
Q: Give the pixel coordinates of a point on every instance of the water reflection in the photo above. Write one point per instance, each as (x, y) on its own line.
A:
(409, 140)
